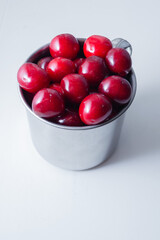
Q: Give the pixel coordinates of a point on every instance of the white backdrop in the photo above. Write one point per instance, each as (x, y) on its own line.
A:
(119, 200)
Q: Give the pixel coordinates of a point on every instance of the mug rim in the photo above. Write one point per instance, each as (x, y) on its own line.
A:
(134, 88)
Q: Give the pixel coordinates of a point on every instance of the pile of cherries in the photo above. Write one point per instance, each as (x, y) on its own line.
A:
(77, 91)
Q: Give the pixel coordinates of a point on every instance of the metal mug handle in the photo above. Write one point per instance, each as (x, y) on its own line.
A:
(122, 43)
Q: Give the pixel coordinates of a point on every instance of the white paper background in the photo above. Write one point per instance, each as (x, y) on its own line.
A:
(120, 200)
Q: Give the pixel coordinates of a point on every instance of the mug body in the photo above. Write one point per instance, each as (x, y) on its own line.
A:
(74, 149)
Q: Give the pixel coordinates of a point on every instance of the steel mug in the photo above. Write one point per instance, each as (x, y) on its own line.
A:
(76, 148)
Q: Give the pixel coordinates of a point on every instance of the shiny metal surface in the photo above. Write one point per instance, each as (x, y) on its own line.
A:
(75, 148)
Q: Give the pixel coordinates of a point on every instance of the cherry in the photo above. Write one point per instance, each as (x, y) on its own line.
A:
(59, 67)
(64, 45)
(43, 62)
(94, 70)
(32, 78)
(119, 61)
(116, 88)
(97, 45)
(75, 87)
(69, 118)
(47, 103)
(94, 109)
(78, 62)
(58, 88)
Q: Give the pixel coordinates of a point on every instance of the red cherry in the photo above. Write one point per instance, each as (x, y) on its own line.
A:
(32, 78)
(59, 67)
(119, 61)
(64, 45)
(58, 88)
(116, 88)
(75, 87)
(47, 103)
(69, 118)
(97, 45)
(78, 62)
(94, 70)
(43, 62)
(94, 109)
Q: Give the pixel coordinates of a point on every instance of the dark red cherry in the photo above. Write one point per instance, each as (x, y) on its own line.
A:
(94, 109)
(64, 45)
(43, 62)
(32, 78)
(97, 45)
(69, 118)
(59, 67)
(78, 62)
(75, 87)
(119, 61)
(116, 88)
(47, 103)
(94, 70)
(58, 88)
